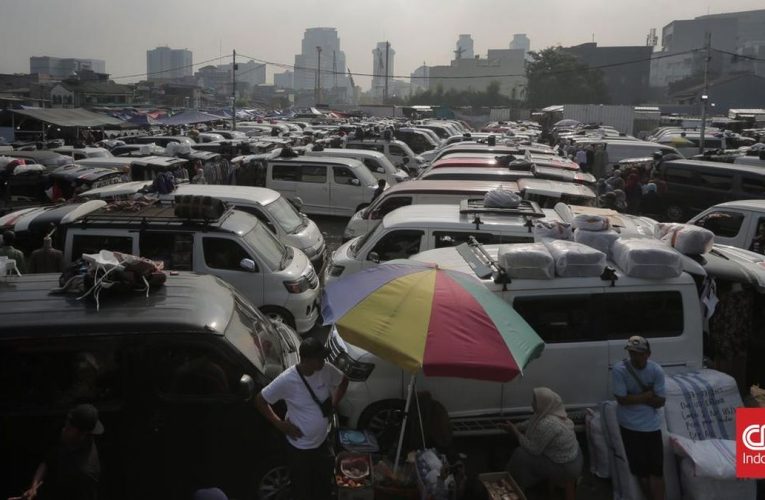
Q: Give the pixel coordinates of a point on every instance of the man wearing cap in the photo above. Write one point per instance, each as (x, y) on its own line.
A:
(72, 470)
(639, 389)
(311, 390)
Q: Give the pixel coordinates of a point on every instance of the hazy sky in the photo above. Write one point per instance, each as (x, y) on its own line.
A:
(419, 31)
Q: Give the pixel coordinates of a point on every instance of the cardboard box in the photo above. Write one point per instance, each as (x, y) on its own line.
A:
(492, 478)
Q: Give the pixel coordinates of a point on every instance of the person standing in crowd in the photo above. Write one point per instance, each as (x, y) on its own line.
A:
(379, 190)
(650, 204)
(46, 259)
(7, 250)
(634, 192)
(311, 390)
(581, 159)
(72, 470)
(639, 390)
(548, 449)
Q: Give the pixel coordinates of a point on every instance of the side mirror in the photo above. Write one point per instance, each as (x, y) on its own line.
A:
(246, 388)
(247, 265)
(374, 257)
(354, 182)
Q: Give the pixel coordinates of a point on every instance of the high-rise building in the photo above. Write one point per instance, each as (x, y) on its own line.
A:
(464, 47)
(503, 66)
(521, 42)
(419, 79)
(250, 72)
(284, 80)
(382, 67)
(56, 67)
(321, 44)
(164, 63)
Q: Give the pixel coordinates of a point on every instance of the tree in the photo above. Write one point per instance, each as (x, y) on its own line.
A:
(557, 77)
(460, 98)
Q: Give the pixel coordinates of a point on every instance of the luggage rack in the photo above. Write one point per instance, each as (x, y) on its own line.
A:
(529, 210)
(160, 212)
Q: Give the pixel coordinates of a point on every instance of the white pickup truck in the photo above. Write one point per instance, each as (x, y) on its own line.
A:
(736, 223)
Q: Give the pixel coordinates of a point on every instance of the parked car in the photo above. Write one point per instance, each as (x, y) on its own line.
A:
(737, 223)
(377, 163)
(173, 375)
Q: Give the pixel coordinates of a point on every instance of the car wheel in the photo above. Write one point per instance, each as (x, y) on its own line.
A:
(279, 314)
(383, 419)
(675, 213)
(274, 483)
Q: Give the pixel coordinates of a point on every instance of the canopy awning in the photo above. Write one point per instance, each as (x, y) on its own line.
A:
(189, 117)
(76, 117)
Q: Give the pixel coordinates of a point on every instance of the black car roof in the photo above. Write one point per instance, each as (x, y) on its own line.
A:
(714, 165)
(186, 303)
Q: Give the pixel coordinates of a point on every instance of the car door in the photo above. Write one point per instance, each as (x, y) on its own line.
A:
(175, 249)
(728, 225)
(346, 191)
(396, 155)
(283, 177)
(313, 188)
(575, 359)
(222, 256)
(396, 244)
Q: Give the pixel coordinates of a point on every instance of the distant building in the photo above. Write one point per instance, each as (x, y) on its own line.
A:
(419, 79)
(164, 63)
(464, 47)
(742, 90)
(740, 33)
(333, 67)
(284, 80)
(626, 83)
(249, 72)
(215, 78)
(74, 93)
(383, 57)
(521, 42)
(498, 64)
(60, 68)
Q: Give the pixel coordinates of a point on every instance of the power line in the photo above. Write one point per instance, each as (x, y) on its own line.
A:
(739, 56)
(467, 77)
(137, 75)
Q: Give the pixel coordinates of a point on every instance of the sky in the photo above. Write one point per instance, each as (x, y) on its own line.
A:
(420, 31)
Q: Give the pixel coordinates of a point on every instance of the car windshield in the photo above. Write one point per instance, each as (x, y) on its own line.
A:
(285, 215)
(255, 337)
(365, 176)
(268, 247)
(362, 240)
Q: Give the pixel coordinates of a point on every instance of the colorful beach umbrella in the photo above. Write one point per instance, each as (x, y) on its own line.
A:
(438, 321)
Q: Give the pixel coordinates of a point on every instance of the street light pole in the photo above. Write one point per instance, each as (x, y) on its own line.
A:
(705, 95)
(233, 93)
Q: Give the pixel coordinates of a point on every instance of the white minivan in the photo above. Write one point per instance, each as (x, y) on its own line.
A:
(584, 323)
(271, 208)
(415, 228)
(376, 162)
(397, 152)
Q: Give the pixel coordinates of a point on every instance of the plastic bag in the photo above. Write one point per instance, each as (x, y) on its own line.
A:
(591, 222)
(575, 260)
(644, 258)
(687, 239)
(500, 198)
(527, 261)
(544, 228)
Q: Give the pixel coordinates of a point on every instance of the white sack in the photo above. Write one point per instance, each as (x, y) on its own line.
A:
(591, 222)
(599, 240)
(702, 488)
(575, 260)
(687, 239)
(527, 261)
(596, 444)
(544, 228)
(711, 458)
(643, 258)
(500, 198)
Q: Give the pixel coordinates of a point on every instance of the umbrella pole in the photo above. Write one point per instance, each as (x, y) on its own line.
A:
(403, 425)
(419, 415)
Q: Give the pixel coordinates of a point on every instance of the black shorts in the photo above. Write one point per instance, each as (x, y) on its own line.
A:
(645, 452)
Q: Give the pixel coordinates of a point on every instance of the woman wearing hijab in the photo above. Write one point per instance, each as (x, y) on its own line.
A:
(634, 193)
(621, 200)
(548, 449)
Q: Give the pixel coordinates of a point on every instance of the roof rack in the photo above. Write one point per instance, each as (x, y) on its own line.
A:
(526, 209)
(186, 209)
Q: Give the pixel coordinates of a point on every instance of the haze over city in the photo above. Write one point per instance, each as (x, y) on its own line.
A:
(419, 31)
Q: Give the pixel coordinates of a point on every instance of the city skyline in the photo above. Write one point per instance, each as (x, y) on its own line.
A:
(250, 28)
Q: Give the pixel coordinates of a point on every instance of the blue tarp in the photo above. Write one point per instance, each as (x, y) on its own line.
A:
(190, 116)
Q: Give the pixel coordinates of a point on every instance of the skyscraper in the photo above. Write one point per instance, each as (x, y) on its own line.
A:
(521, 42)
(333, 68)
(166, 63)
(382, 65)
(464, 47)
(56, 67)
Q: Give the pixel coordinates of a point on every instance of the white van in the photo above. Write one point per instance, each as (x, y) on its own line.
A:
(271, 208)
(584, 323)
(416, 228)
(376, 162)
(735, 223)
(235, 247)
(397, 152)
(622, 149)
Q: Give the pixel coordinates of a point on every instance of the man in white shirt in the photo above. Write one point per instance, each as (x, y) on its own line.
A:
(311, 390)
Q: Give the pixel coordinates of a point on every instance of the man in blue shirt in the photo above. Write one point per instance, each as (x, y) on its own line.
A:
(639, 389)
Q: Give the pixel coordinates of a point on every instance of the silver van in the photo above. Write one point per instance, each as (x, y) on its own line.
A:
(376, 162)
(271, 208)
(397, 152)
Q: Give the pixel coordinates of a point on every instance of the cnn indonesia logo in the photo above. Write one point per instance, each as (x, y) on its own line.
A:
(750, 442)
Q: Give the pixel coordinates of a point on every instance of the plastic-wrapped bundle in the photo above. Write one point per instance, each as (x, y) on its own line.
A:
(501, 198)
(591, 222)
(575, 260)
(527, 261)
(599, 240)
(687, 239)
(544, 228)
(644, 258)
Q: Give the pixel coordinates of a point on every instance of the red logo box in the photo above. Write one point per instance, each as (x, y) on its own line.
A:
(750, 443)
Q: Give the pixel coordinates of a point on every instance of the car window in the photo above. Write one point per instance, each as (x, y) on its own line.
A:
(259, 214)
(175, 250)
(314, 174)
(715, 181)
(222, 253)
(396, 150)
(55, 375)
(680, 176)
(343, 175)
(454, 238)
(398, 245)
(722, 223)
(281, 172)
(94, 243)
(753, 185)
(373, 166)
(185, 369)
(390, 204)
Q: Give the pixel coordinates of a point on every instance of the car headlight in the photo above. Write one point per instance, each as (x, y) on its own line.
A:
(336, 271)
(356, 371)
(297, 286)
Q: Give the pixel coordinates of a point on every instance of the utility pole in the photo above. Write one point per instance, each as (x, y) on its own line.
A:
(233, 92)
(317, 97)
(387, 59)
(705, 95)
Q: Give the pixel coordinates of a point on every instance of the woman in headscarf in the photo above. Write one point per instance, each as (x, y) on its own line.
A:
(548, 449)
(634, 192)
(621, 200)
